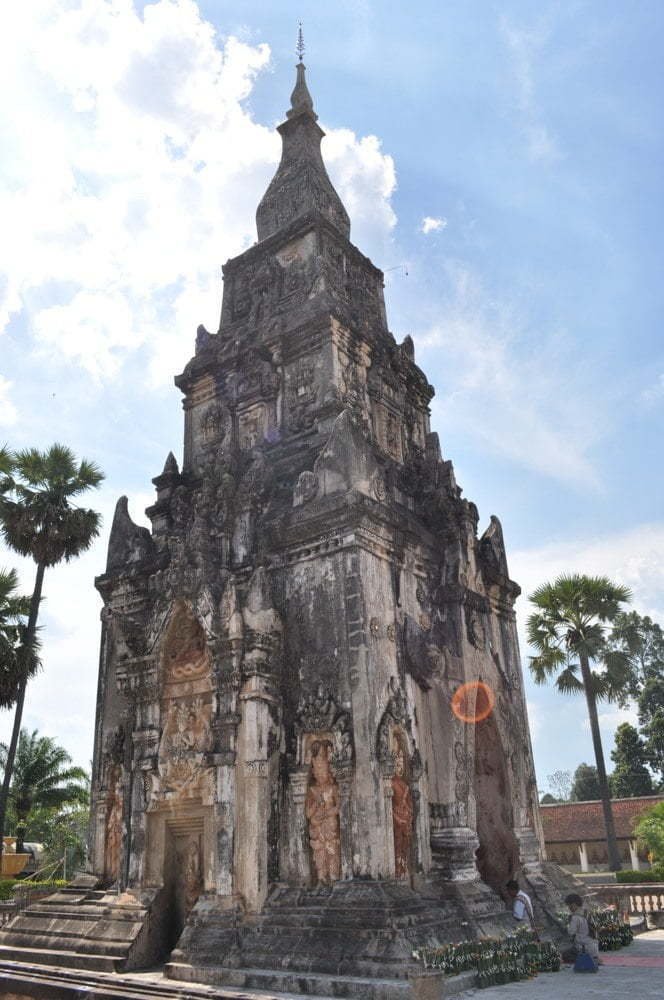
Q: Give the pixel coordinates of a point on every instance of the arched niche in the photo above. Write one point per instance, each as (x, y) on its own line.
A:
(184, 652)
(498, 853)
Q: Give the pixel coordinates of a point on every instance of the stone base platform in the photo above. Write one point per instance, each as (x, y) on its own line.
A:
(28, 981)
(355, 939)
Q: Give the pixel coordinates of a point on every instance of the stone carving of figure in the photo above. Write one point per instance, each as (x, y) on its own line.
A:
(191, 875)
(322, 812)
(113, 827)
(402, 815)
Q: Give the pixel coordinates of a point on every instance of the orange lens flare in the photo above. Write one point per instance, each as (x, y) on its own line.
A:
(473, 702)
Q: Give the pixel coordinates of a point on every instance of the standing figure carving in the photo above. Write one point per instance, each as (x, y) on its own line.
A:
(113, 826)
(402, 814)
(322, 812)
(191, 874)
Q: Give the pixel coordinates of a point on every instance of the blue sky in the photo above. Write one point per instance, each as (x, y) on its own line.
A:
(137, 141)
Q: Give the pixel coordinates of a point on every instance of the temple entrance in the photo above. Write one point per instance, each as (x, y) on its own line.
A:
(183, 879)
(179, 852)
(183, 874)
(498, 853)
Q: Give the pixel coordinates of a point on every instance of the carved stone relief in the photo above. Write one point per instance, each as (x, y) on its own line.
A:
(395, 716)
(318, 714)
(185, 653)
(189, 863)
(114, 811)
(251, 427)
(322, 813)
(402, 808)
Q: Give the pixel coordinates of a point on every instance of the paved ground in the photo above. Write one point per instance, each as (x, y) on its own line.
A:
(634, 973)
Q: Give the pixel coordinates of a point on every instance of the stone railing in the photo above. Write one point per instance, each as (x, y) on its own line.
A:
(7, 911)
(637, 899)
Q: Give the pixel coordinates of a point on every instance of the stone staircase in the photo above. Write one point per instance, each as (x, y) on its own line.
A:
(84, 927)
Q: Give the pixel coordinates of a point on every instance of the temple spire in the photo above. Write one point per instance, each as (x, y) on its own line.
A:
(300, 186)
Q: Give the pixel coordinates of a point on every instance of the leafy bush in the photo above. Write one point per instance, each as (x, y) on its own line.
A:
(8, 885)
(654, 874)
(650, 830)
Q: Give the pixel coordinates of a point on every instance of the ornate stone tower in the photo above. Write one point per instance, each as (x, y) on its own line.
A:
(310, 688)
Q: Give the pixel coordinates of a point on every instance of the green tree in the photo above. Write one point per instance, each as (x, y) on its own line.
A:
(43, 778)
(654, 743)
(14, 610)
(39, 519)
(642, 640)
(650, 830)
(548, 799)
(631, 777)
(63, 834)
(585, 786)
(569, 631)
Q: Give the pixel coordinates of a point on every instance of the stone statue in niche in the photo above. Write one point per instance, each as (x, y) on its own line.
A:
(322, 812)
(192, 880)
(402, 812)
(113, 825)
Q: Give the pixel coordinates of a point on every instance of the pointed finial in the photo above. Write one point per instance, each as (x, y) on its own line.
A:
(299, 48)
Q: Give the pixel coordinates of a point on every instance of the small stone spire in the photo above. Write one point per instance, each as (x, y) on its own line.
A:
(171, 465)
(300, 98)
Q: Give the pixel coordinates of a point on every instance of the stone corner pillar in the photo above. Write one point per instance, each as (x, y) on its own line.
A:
(453, 843)
(529, 846)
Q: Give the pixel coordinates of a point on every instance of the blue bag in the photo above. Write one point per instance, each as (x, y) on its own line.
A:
(585, 963)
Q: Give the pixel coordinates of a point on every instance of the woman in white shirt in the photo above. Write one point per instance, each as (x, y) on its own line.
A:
(578, 928)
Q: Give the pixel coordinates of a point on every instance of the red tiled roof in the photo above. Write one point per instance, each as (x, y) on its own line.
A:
(577, 821)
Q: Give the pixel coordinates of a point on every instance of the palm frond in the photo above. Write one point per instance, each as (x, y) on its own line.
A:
(567, 681)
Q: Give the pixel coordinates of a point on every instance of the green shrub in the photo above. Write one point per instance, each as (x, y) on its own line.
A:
(8, 885)
(654, 874)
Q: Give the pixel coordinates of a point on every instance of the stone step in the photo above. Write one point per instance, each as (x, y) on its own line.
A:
(375, 922)
(39, 981)
(84, 912)
(66, 959)
(310, 984)
(106, 930)
(59, 942)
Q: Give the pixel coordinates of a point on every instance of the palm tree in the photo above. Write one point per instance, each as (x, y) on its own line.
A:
(38, 519)
(568, 630)
(43, 778)
(14, 609)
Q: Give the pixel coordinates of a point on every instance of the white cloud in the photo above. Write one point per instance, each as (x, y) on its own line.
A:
(431, 224)
(133, 170)
(609, 721)
(505, 394)
(535, 720)
(366, 180)
(525, 47)
(653, 393)
(8, 412)
(633, 557)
